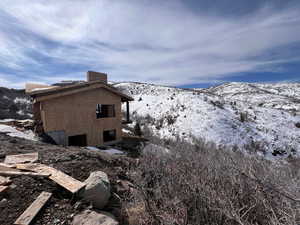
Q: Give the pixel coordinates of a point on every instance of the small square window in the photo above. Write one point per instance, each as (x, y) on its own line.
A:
(109, 135)
(104, 111)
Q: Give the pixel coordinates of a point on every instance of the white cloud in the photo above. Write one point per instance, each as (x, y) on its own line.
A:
(137, 40)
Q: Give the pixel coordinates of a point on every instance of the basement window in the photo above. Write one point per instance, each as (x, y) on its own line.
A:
(77, 140)
(104, 111)
(109, 135)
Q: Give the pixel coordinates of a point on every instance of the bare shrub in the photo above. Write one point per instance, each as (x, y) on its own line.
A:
(200, 184)
(137, 129)
(159, 123)
(218, 104)
(171, 119)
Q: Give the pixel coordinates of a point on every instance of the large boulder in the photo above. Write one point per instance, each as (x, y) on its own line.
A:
(89, 217)
(97, 190)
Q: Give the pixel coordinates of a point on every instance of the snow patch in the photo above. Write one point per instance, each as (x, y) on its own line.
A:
(13, 132)
(21, 112)
(22, 101)
(113, 151)
(110, 151)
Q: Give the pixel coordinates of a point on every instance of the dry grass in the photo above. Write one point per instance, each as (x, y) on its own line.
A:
(203, 185)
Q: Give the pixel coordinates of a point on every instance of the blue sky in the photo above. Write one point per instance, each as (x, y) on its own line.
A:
(187, 43)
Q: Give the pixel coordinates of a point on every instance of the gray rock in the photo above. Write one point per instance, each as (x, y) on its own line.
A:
(3, 202)
(89, 217)
(97, 190)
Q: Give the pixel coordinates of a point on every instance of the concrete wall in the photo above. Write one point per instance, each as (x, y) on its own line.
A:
(59, 137)
(76, 114)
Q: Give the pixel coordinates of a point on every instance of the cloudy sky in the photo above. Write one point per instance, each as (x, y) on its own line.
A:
(186, 43)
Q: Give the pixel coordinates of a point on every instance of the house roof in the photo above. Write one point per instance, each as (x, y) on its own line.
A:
(56, 91)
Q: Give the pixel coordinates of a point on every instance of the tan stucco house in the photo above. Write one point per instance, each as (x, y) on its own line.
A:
(82, 114)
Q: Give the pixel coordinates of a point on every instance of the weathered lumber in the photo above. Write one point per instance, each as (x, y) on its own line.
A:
(3, 188)
(57, 176)
(5, 168)
(7, 165)
(29, 214)
(4, 180)
(20, 173)
(22, 158)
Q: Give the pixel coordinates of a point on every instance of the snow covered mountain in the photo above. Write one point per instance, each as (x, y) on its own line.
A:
(265, 117)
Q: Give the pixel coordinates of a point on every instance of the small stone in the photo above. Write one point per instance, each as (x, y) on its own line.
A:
(3, 202)
(89, 217)
(55, 221)
(13, 186)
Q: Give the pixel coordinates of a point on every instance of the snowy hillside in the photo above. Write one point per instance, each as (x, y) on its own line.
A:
(264, 116)
(14, 104)
(279, 96)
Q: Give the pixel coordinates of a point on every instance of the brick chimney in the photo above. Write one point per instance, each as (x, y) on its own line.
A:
(95, 76)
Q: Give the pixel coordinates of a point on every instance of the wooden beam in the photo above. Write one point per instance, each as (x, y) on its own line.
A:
(3, 188)
(19, 173)
(22, 158)
(29, 214)
(57, 176)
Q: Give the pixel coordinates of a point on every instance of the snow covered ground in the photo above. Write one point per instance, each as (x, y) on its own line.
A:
(11, 131)
(263, 116)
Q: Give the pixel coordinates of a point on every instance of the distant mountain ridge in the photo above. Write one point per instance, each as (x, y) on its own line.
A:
(264, 116)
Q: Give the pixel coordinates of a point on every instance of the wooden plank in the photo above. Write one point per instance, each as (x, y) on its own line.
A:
(7, 165)
(20, 173)
(3, 188)
(57, 176)
(4, 168)
(22, 158)
(29, 214)
(4, 180)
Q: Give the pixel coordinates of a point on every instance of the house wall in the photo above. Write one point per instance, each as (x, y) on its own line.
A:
(76, 114)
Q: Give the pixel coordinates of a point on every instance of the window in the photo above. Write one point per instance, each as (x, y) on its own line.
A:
(103, 111)
(77, 140)
(109, 135)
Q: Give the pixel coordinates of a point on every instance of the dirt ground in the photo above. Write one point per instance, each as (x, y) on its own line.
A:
(74, 161)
